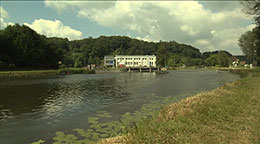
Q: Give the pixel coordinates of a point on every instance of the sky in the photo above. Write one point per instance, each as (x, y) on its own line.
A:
(206, 25)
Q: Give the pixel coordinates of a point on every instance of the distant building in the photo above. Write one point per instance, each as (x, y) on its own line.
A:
(243, 58)
(242, 63)
(135, 61)
(235, 62)
(109, 61)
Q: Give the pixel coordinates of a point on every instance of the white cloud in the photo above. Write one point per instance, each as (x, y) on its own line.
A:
(4, 24)
(203, 42)
(62, 5)
(146, 38)
(54, 29)
(189, 22)
(4, 13)
(189, 30)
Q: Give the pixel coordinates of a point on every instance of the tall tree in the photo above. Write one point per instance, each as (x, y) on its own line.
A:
(250, 41)
(248, 44)
(223, 59)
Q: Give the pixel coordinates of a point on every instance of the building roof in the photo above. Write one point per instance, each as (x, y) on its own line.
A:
(132, 55)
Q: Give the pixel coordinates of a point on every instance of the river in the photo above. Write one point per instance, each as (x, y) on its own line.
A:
(36, 108)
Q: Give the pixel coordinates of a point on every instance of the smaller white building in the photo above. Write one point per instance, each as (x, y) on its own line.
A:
(109, 61)
(135, 61)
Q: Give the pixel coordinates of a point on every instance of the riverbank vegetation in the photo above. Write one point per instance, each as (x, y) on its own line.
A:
(229, 114)
(41, 73)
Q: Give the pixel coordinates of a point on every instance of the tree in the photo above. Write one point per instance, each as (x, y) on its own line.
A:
(174, 60)
(252, 7)
(24, 47)
(162, 55)
(196, 62)
(219, 59)
(248, 43)
(78, 59)
(186, 61)
(21, 47)
(212, 60)
(223, 59)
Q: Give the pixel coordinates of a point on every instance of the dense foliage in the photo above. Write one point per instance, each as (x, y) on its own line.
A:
(249, 46)
(22, 48)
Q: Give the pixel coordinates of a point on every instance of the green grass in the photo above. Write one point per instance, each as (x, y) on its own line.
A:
(229, 114)
(38, 73)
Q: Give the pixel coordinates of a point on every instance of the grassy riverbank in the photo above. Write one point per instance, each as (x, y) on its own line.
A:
(37, 73)
(229, 114)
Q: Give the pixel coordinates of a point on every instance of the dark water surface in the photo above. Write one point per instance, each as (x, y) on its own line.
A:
(33, 109)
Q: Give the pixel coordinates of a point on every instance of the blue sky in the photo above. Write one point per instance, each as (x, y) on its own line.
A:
(27, 12)
(205, 25)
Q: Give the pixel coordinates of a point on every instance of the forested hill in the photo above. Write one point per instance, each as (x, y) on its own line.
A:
(95, 49)
(22, 47)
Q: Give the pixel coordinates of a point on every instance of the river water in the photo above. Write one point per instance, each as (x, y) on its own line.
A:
(36, 108)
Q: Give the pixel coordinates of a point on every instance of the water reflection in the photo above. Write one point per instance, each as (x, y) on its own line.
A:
(66, 96)
(21, 99)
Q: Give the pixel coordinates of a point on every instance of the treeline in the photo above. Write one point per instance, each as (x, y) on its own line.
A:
(21, 47)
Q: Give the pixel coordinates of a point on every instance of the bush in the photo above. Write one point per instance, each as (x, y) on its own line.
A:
(76, 71)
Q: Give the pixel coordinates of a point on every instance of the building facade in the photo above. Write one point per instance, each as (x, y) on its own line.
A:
(135, 61)
(109, 61)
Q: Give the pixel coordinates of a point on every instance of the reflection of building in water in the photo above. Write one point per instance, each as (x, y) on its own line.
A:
(135, 78)
(130, 61)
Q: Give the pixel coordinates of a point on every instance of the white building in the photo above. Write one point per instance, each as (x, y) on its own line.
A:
(135, 60)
